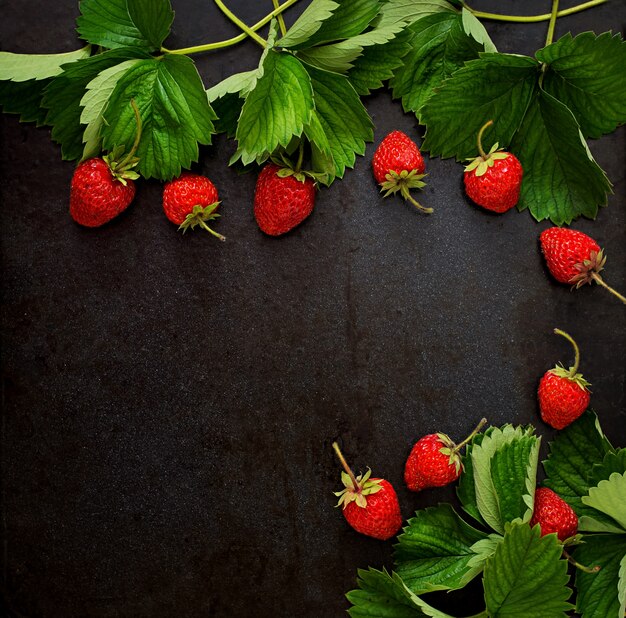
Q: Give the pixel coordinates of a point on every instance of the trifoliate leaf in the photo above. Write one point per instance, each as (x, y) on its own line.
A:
(473, 27)
(63, 94)
(562, 181)
(125, 23)
(342, 116)
(308, 23)
(609, 497)
(25, 67)
(439, 46)
(94, 103)
(587, 74)
(276, 109)
(174, 109)
(495, 87)
(434, 550)
(601, 594)
(526, 577)
(384, 595)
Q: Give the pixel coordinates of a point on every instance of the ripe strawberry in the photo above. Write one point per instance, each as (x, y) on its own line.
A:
(370, 505)
(435, 461)
(573, 257)
(553, 515)
(283, 199)
(398, 166)
(191, 200)
(99, 193)
(493, 179)
(563, 394)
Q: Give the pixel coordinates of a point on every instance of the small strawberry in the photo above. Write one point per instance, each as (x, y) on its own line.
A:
(399, 167)
(102, 188)
(435, 460)
(573, 257)
(563, 394)
(493, 179)
(284, 196)
(553, 515)
(191, 200)
(370, 505)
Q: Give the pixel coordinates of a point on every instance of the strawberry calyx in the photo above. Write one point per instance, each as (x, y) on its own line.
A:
(588, 269)
(403, 182)
(357, 492)
(199, 215)
(288, 168)
(485, 160)
(452, 450)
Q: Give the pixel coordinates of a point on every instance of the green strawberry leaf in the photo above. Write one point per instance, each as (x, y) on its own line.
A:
(587, 74)
(614, 461)
(175, 111)
(396, 14)
(505, 469)
(434, 550)
(384, 595)
(609, 497)
(26, 67)
(495, 86)
(342, 116)
(572, 457)
(439, 47)
(526, 576)
(308, 23)
(63, 95)
(473, 27)
(24, 98)
(561, 178)
(125, 23)
(339, 57)
(601, 594)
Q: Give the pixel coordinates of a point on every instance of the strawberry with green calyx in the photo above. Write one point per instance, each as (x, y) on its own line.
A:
(102, 188)
(191, 200)
(563, 394)
(493, 179)
(370, 505)
(398, 167)
(575, 258)
(435, 460)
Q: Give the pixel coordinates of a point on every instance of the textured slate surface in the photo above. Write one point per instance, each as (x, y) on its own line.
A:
(169, 402)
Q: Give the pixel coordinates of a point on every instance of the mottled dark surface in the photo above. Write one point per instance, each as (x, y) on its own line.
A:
(169, 402)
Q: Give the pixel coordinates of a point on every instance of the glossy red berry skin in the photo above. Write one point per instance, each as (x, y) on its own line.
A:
(561, 401)
(381, 517)
(183, 193)
(553, 515)
(397, 152)
(427, 467)
(96, 196)
(564, 248)
(280, 204)
(498, 189)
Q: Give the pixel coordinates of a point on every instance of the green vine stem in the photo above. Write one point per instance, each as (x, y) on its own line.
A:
(552, 24)
(281, 19)
(251, 33)
(527, 19)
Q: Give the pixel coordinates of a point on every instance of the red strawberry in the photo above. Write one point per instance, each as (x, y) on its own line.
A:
(435, 461)
(283, 199)
(573, 257)
(370, 505)
(563, 394)
(554, 515)
(191, 200)
(493, 179)
(98, 193)
(398, 166)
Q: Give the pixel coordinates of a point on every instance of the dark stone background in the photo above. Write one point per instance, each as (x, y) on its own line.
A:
(169, 401)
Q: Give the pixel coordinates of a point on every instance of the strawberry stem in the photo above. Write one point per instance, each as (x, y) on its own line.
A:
(208, 229)
(407, 196)
(480, 425)
(251, 33)
(300, 157)
(573, 370)
(527, 19)
(552, 24)
(479, 139)
(127, 159)
(281, 19)
(600, 281)
(346, 467)
(582, 567)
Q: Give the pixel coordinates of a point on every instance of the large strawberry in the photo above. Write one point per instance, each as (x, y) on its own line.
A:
(398, 166)
(563, 394)
(102, 188)
(370, 505)
(435, 460)
(573, 257)
(283, 198)
(493, 179)
(191, 200)
(553, 515)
